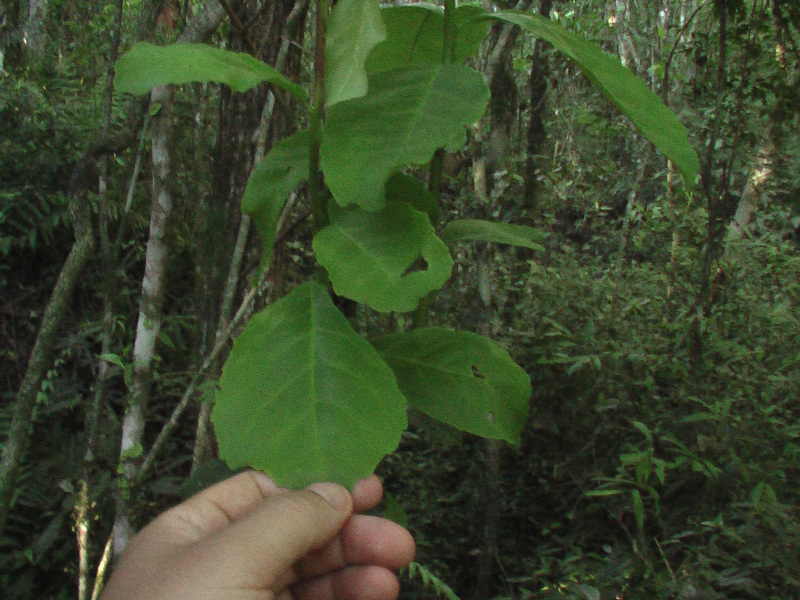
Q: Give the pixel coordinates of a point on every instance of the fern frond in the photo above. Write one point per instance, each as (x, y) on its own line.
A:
(431, 581)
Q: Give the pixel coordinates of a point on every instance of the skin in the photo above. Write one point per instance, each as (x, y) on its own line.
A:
(248, 539)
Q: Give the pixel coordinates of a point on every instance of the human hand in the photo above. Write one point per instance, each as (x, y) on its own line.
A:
(248, 539)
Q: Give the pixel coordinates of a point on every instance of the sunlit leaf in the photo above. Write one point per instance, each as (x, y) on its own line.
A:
(488, 231)
(461, 378)
(626, 91)
(272, 180)
(146, 66)
(355, 27)
(304, 398)
(372, 257)
(406, 115)
(415, 36)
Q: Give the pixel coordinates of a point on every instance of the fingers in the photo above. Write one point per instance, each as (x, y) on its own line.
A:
(218, 506)
(215, 508)
(365, 540)
(367, 494)
(262, 546)
(352, 583)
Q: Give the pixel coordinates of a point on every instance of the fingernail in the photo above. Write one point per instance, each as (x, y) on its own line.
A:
(335, 494)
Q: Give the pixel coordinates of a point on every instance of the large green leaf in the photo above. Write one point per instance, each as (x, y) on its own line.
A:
(404, 188)
(626, 91)
(355, 27)
(305, 398)
(461, 378)
(271, 182)
(488, 231)
(146, 66)
(406, 115)
(415, 36)
(371, 257)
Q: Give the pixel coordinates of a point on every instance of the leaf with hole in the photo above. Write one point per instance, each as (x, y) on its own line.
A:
(627, 92)
(272, 180)
(304, 398)
(415, 36)
(354, 29)
(146, 66)
(488, 231)
(406, 115)
(461, 378)
(373, 257)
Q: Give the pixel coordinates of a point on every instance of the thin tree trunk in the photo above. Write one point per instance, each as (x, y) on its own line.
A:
(504, 100)
(153, 284)
(83, 520)
(33, 34)
(753, 192)
(41, 355)
(150, 313)
(769, 152)
(536, 134)
(712, 196)
(628, 217)
(491, 492)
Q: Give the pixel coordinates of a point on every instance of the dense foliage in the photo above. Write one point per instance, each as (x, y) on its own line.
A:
(661, 455)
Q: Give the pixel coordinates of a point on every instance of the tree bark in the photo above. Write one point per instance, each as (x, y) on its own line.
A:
(25, 402)
(33, 34)
(150, 314)
(753, 192)
(536, 134)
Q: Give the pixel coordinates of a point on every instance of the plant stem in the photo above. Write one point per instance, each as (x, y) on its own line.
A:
(449, 46)
(318, 209)
(436, 172)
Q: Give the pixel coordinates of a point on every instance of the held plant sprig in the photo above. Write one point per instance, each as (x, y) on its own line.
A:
(302, 395)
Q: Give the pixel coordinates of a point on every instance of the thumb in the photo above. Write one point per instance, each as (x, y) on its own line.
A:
(263, 546)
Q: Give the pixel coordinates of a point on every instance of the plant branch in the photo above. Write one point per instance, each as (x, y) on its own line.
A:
(318, 208)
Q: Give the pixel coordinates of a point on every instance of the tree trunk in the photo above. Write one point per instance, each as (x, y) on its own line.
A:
(25, 402)
(713, 195)
(753, 192)
(153, 283)
(33, 35)
(536, 134)
(504, 100)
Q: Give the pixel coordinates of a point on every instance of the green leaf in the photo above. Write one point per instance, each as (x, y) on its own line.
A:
(114, 359)
(643, 469)
(370, 257)
(488, 231)
(644, 430)
(415, 36)
(626, 91)
(394, 512)
(405, 117)
(404, 188)
(304, 398)
(461, 378)
(638, 508)
(146, 66)
(271, 182)
(602, 493)
(354, 29)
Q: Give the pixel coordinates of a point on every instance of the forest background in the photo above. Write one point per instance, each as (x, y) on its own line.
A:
(658, 325)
